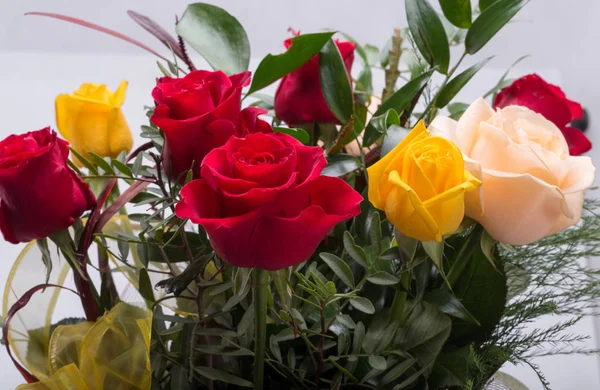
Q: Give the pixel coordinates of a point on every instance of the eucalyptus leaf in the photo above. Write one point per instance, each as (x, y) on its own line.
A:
(217, 36)
(428, 33)
(377, 362)
(356, 252)
(490, 21)
(383, 279)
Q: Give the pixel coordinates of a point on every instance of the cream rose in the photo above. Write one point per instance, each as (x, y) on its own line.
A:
(532, 187)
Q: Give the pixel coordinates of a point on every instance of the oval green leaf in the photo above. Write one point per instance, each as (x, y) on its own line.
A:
(428, 33)
(457, 83)
(335, 82)
(217, 36)
(490, 22)
(458, 12)
(273, 67)
(362, 304)
(339, 268)
(300, 134)
(340, 164)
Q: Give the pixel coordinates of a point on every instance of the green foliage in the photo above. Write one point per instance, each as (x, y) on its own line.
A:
(335, 82)
(217, 36)
(428, 33)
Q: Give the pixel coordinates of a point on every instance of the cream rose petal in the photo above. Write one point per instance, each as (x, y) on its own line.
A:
(522, 208)
(468, 125)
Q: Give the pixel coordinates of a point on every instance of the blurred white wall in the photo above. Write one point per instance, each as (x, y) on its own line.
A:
(40, 58)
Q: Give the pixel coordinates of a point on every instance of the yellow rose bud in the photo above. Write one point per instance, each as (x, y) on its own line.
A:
(421, 184)
(92, 121)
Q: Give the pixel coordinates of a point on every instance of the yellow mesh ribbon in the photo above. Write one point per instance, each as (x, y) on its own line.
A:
(113, 353)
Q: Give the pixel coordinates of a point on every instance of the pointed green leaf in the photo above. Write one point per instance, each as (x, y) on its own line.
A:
(222, 376)
(362, 304)
(375, 232)
(458, 12)
(457, 83)
(335, 82)
(357, 253)
(217, 36)
(484, 4)
(273, 67)
(450, 369)
(145, 287)
(377, 362)
(300, 134)
(100, 162)
(340, 164)
(428, 33)
(123, 168)
(490, 22)
(449, 304)
(397, 371)
(383, 279)
(339, 268)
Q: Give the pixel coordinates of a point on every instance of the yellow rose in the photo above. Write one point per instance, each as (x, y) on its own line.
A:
(421, 185)
(92, 121)
(532, 187)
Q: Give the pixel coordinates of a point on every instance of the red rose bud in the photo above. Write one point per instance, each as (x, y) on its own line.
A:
(198, 113)
(263, 202)
(299, 98)
(39, 193)
(535, 93)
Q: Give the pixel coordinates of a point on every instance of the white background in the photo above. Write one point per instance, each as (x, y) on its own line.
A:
(40, 58)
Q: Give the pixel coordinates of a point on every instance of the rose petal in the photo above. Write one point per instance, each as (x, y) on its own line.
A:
(577, 141)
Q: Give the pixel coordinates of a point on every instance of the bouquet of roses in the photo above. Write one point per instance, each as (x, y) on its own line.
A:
(327, 237)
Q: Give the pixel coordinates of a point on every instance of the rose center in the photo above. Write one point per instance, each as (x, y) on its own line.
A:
(251, 158)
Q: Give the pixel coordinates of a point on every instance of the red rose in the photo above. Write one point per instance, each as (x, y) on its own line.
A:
(299, 98)
(263, 203)
(39, 193)
(533, 92)
(198, 113)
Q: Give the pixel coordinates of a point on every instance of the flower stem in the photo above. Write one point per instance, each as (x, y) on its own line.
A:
(261, 279)
(397, 309)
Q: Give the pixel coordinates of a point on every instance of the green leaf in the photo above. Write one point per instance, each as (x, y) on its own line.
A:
(362, 304)
(335, 82)
(340, 164)
(447, 303)
(383, 279)
(217, 36)
(428, 33)
(458, 12)
(358, 337)
(100, 162)
(178, 284)
(379, 125)
(457, 83)
(163, 70)
(274, 67)
(397, 371)
(488, 246)
(123, 168)
(356, 252)
(375, 234)
(485, 301)
(450, 369)
(372, 53)
(490, 22)
(377, 362)
(222, 376)
(339, 268)
(86, 163)
(407, 245)
(457, 109)
(145, 287)
(424, 333)
(300, 134)
(435, 250)
(180, 378)
(484, 4)
(399, 101)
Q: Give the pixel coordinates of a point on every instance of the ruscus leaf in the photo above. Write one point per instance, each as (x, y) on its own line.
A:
(428, 33)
